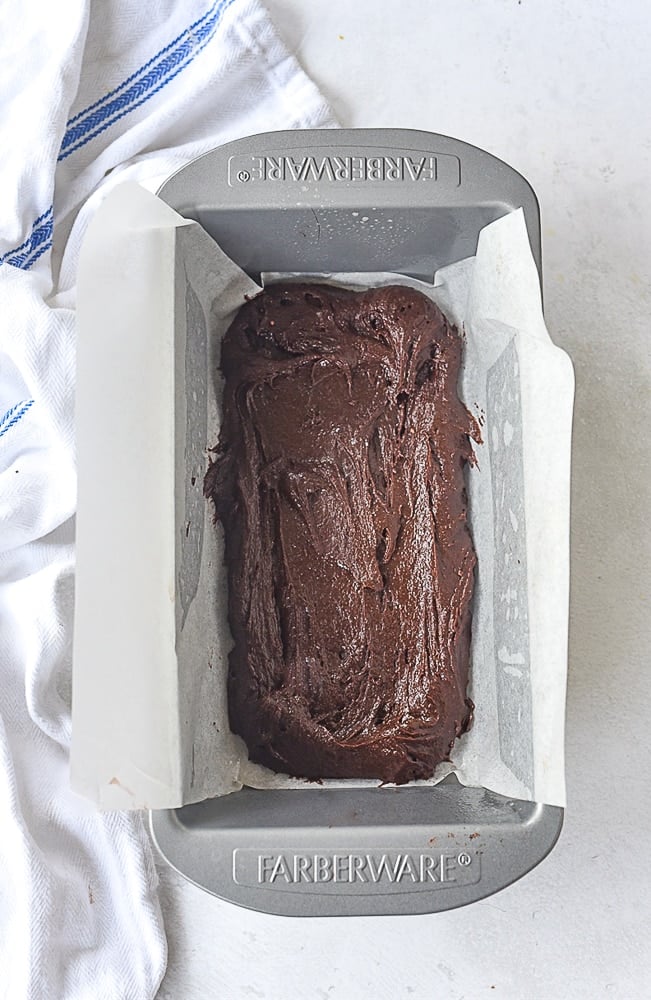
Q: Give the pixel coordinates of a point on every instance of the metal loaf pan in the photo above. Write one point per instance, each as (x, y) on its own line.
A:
(359, 200)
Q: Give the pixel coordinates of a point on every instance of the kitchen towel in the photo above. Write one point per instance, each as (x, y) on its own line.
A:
(91, 95)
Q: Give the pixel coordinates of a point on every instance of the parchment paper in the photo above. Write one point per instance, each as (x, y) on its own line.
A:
(518, 384)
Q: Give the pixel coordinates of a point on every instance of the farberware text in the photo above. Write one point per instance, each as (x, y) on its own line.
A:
(375, 868)
(338, 168)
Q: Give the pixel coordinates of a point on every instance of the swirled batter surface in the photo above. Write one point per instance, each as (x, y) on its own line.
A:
(339, 480)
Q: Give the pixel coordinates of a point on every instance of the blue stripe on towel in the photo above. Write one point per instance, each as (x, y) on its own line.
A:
(142, 85)
(13, 415)
(39, 240)
(26, 242)
(129, 95)
(137, 73)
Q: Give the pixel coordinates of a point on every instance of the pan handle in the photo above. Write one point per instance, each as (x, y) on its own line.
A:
(369, 851)
(350, 199)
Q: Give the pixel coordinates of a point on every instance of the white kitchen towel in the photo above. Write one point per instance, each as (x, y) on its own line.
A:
(91, 94)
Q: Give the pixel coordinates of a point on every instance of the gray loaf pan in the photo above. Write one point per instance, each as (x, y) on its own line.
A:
(359, 200)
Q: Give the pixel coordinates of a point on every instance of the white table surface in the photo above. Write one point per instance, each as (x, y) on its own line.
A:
(562, 91)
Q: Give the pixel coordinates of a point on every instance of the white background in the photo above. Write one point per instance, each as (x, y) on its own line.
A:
(562, 91)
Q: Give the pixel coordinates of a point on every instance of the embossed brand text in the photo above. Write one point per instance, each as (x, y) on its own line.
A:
(336, 168)
(374, 868)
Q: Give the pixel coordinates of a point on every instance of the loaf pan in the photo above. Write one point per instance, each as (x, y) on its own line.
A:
(330, 201)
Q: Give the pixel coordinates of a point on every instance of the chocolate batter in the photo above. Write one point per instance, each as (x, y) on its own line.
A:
(339, 482)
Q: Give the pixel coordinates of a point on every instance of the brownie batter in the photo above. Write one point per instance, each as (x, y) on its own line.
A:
(339, 480)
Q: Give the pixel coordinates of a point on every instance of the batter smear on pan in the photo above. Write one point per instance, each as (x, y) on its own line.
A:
(339, 481)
